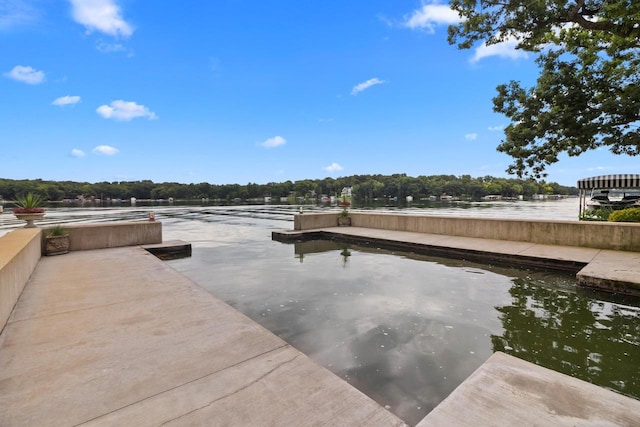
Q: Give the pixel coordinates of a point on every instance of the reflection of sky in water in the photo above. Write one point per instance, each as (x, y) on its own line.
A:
(407, 329)
(403, 331)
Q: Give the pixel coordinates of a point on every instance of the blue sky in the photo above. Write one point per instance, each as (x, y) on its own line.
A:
(239, 91)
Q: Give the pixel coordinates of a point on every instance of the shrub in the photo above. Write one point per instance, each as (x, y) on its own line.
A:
(601, 214)
(625, 215)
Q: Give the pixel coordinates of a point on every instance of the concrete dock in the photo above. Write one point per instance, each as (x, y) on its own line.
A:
(116, 337)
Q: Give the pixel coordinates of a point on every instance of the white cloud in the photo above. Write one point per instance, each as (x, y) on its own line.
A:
(125, 111)
(106, 150)
(26, 74)
(365, 85)
(471, 136)
(100, 15)
(77, 153)
(15, 13)
(431, 15)
(495, 128)
(333, 167)
(276, 141)
(506, 49)
(66, 100)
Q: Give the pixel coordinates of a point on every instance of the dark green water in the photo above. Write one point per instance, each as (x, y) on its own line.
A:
(590, 336)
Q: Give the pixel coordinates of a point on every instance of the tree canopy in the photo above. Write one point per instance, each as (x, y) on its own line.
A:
(588, 92)
(365, 188)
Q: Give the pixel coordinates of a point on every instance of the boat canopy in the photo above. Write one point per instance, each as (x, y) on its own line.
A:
(610, 181)
(606, 182)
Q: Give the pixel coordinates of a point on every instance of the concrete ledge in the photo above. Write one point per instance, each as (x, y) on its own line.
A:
(599, 235)
(169, 250)
(612, 271)
(19, 254)
(507, 391)
(113, 235)
(481, 250)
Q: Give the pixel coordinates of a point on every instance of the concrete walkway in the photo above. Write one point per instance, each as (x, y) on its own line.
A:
(617, 271)
(115, 337)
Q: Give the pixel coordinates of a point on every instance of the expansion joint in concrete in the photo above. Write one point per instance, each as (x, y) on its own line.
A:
(244, 387)
(206, 376)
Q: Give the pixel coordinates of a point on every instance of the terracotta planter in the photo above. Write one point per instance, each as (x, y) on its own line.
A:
(29, 217)
(56, 245)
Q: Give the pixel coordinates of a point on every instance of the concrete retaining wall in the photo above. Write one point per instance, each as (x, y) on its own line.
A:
(600, 235)
(113, 235)
(19, 254)
(309, 221)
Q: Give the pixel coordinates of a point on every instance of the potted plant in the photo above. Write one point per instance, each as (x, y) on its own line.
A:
(28, 208)
(344, 219)
(56, 241)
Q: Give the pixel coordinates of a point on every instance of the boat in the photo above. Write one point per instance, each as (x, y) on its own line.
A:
(613, 192)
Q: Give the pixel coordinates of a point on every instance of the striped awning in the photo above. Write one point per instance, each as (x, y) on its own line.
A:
(610, 181)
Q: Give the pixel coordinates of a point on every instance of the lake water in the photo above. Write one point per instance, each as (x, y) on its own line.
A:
(405, 329)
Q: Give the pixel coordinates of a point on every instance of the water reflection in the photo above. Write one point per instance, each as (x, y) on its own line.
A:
(404, 332)
(407, 333)
(590, 339)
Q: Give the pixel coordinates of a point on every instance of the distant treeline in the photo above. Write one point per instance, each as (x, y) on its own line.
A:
(364, 187)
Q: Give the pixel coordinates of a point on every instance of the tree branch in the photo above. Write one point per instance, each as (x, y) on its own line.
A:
(577, 17)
